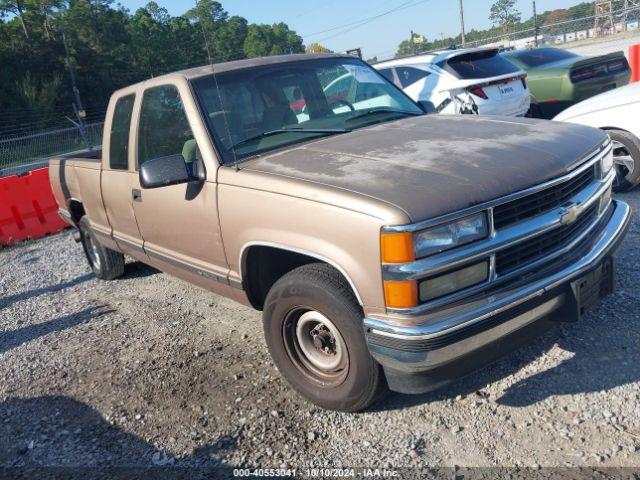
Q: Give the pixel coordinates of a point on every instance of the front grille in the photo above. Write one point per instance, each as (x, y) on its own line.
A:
(512, 258)
(541, 202)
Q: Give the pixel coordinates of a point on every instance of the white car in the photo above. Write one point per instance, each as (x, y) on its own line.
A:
(477, 80)
(618, 113)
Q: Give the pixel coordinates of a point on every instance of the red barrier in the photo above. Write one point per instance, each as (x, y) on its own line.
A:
(634, 62)
(27, 207)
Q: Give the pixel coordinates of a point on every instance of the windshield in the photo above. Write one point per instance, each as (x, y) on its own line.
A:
(539, 56)
(482, 64)
(252, 111)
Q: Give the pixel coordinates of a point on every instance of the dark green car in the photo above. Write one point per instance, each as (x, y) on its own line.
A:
(558, 78)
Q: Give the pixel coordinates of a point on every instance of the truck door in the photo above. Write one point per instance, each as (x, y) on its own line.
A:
(118, 177)
(179, 223)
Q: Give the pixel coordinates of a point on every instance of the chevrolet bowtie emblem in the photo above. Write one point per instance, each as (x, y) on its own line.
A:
(569, 214)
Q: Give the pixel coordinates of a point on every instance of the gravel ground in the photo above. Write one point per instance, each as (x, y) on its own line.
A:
(590, 48)
(151, 371)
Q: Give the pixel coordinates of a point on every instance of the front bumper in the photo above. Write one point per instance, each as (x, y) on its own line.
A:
(436, 348)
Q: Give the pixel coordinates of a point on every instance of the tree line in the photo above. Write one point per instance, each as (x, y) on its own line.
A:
(111, 47)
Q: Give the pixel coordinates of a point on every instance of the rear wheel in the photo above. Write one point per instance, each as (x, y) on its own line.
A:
(313, 328)
(534, 111)
(106, 264)
(626, 160)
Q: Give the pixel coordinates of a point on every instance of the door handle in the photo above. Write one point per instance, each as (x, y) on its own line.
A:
(137, 195)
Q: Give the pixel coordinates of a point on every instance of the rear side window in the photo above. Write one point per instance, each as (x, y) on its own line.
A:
(119, 139)
(410, 75)
(164, 129)
(479, 65)
(541, 56)
(388, 74)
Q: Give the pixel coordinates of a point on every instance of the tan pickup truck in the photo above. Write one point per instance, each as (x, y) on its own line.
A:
(385, 247)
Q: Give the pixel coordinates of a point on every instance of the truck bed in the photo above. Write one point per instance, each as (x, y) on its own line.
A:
(76, 176)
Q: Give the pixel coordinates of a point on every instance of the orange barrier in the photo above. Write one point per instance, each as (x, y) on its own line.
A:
(27, 207)
(634, 62)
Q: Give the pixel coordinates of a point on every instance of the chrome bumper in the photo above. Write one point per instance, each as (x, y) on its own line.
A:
(435, 339)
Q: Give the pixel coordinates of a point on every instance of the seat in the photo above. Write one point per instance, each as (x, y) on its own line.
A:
(189, 151)
(278, 116)
(227, 124)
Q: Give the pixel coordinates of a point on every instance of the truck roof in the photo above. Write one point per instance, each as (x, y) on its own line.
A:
(195, 72)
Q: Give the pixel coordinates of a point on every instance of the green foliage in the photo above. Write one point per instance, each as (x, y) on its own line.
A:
(274, 39)
(42, 95)
(504, 14)
(111, 47)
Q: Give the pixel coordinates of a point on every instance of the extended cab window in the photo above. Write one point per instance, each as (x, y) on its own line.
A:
(119, 139)
(164, 129)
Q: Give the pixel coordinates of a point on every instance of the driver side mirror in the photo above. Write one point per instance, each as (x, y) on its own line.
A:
(164, 171)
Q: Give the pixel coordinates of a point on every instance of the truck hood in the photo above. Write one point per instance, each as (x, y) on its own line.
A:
(432, 165)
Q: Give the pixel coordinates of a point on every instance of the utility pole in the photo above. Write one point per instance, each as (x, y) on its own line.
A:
(464, 41)
(604, 18)
(536, 29)
(77, 105)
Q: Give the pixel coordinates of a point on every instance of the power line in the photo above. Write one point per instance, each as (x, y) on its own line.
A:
(371, 19)
(361, 22)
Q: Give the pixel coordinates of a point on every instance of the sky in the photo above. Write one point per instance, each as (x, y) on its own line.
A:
(316, 20)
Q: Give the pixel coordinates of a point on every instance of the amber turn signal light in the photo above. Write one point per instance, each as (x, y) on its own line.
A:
(402, 294)
(397, 247)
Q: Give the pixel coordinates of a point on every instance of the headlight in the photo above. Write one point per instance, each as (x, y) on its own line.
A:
(451, 235)
(606, 163)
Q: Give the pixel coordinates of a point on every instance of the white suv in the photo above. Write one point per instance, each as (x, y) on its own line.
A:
(475, 80)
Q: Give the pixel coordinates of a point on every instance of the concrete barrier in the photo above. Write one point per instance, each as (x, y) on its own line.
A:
(27, 207)
(634, 62)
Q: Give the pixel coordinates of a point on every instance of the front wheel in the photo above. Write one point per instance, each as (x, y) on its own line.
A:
(626, 160)
(313, 328)
(106, 264)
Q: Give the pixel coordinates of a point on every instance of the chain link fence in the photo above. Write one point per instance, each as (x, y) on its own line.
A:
(564, 32)
(20, 154)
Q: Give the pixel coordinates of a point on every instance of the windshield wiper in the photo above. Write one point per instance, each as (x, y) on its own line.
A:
(270, 133)
(375, 111)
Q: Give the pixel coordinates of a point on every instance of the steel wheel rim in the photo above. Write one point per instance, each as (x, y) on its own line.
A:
(316, 347)
(623, 162)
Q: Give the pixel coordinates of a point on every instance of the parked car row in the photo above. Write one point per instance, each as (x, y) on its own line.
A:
(537, 82)
(559, 78)
(462, 81)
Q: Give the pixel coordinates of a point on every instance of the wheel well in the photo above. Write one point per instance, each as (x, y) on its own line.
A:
(263, 266)
(76, 210)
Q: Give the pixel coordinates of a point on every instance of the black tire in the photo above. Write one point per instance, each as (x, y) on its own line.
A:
(534, 111)
(627, 176)
(320, 289)
(106, 264)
